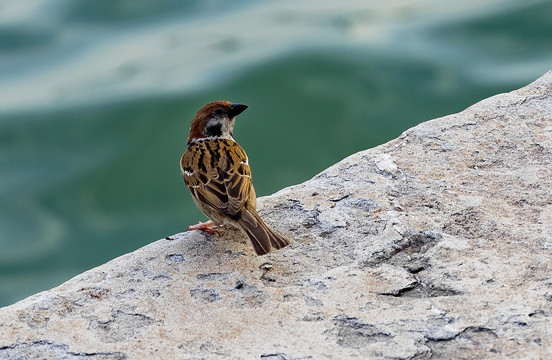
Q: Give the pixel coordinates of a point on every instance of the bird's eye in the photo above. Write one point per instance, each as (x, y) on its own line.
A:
(218, 112)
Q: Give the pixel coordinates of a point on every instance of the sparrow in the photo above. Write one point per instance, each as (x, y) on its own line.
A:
(216, 170)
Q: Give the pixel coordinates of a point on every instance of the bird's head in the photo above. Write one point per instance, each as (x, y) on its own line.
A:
(215, 120)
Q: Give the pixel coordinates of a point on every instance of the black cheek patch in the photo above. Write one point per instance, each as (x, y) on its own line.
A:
(213, 130)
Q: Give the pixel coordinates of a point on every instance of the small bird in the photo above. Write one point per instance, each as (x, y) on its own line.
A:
(216, 170)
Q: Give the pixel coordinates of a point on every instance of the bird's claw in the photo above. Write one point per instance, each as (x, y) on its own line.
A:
(204, 226)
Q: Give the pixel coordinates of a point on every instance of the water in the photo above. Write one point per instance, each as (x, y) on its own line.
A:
(96, 99)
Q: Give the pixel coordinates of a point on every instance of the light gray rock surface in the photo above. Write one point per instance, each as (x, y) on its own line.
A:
(437, 244)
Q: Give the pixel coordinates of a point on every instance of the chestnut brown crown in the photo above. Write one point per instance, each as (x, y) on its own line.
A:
(215, 120)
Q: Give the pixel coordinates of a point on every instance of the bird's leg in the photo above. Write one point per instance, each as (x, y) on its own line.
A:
(205, 226)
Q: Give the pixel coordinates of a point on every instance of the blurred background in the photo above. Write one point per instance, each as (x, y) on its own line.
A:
(96, 97)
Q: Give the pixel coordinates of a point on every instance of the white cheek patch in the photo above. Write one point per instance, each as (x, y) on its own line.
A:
(213, 122)
(246, 162)
(187, 173)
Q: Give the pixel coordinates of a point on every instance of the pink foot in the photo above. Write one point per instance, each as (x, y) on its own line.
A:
(205, 226)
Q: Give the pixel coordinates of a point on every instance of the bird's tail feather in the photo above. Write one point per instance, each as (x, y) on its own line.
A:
(264, 239)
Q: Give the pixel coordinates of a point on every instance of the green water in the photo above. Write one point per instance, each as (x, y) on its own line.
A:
(96, 99)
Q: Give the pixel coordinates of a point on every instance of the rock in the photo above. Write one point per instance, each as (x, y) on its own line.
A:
(436, 244)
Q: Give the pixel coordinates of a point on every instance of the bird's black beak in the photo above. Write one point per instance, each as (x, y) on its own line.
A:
(236, 109)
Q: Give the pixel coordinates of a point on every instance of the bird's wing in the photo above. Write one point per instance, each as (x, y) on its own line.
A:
(218, 175)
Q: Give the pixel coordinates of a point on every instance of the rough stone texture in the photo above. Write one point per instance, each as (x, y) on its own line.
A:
(437, 244)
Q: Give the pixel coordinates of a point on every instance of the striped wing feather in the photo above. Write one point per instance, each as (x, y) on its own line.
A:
(217, 173)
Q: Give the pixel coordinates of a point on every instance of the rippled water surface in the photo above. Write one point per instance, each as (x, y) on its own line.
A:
(96, 99)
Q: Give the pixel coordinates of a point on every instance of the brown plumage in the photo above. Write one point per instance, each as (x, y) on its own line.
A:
(216, 170)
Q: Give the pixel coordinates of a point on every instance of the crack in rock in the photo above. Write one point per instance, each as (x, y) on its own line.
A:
(353, 333)
(424, 290)
(44, 349)
(282, 356)
(475, 338)
(401, 253)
